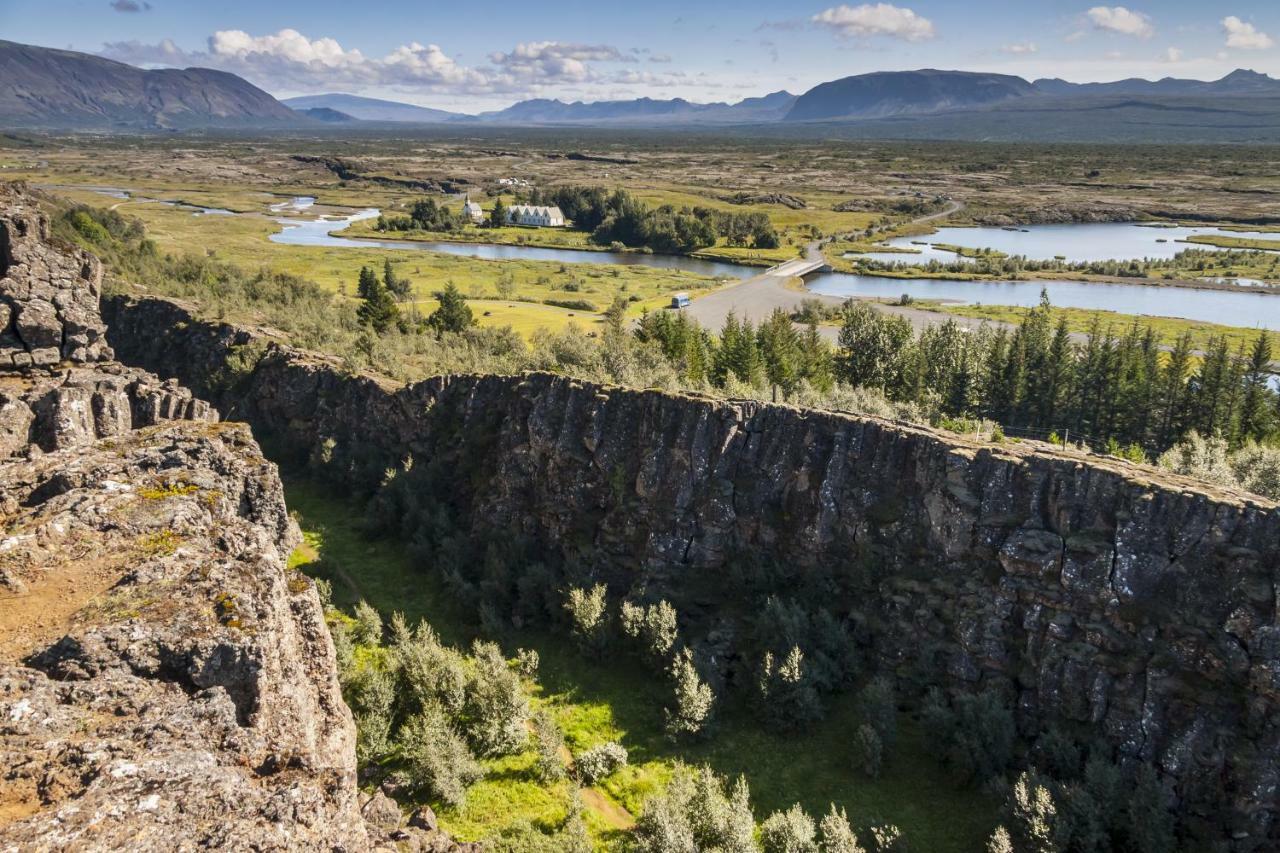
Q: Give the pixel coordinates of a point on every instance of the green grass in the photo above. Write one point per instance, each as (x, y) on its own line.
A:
(1224, 242)
(616, 699)
(1079, 320)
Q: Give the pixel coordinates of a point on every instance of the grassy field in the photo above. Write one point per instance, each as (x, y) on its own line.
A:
(1225, 242)
(597, 701)
(521, 286)
(1080, 319)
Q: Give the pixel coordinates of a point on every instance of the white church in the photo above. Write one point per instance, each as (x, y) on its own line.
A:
(536, 216)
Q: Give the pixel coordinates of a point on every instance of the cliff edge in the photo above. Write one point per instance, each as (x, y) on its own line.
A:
(165, 681)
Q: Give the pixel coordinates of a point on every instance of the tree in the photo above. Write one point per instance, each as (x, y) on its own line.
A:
(1150, 825)
(1000, 842)
(693, 699)
(498, 216)
(400, 288)
(719, 822)
(378, 308)
(872, 348)
(453, 314)
(779, 346)
(1255, 413)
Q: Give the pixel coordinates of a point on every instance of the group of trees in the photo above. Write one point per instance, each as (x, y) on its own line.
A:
(378, 309)
(619, 217)
(988, 263)
(424, 712)
(425, 215)
(695, 812)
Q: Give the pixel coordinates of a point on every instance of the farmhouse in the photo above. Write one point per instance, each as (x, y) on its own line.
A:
(472, 210)
(541, 217)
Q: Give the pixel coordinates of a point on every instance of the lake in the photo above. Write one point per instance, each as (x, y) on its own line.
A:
(1076, 242)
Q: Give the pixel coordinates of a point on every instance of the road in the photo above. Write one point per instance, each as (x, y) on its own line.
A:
(756, 298)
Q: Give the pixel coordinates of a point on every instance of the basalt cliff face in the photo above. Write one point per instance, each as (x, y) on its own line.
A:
(165, 682)
(1134, 605)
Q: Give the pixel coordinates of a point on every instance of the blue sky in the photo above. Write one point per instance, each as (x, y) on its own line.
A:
(472, 56)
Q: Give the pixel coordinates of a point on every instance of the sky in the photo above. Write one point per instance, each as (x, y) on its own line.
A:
(471, 56)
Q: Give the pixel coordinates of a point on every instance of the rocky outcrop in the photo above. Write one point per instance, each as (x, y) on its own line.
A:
(48, 297)
(1138, 606)
(165, 681)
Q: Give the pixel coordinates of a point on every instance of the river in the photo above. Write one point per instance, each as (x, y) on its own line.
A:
(1231, 308)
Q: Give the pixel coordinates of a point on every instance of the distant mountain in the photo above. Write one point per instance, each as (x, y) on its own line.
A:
(644, 111)
(1238, 83)
(372, 109)
(889, 93)
(327, 115)
(43, 87)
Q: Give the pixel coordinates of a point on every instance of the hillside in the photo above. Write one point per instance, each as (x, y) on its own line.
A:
(905, 92)
(43, 87)
(768, 108)
(371, 109)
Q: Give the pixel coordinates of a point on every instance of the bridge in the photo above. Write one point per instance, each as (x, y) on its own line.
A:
(799, 267)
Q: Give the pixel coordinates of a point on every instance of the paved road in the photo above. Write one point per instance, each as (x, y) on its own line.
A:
(756, 298)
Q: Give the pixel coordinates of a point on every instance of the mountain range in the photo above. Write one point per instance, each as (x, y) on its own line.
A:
(48, 88)
(44, 87)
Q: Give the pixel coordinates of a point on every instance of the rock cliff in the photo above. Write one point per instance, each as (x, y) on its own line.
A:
(165, 681)
(1134, 605)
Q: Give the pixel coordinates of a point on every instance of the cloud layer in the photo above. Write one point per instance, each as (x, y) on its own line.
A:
(879, 19)
(291, 59)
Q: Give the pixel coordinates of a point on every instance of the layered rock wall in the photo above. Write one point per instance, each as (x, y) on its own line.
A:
(1138, 606)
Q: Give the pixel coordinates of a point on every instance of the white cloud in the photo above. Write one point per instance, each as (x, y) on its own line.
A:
(290, 60)
(1021, 48)
(879, 19)
(1244, 35)
(1172, 54)
(1119, 19)
(552, 60)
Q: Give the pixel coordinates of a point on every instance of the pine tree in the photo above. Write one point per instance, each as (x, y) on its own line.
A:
(498, 216)
(378, 309)
(453, 315)
(1255, 419)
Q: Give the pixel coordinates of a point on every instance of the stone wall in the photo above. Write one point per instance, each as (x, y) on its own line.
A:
(1137, 605)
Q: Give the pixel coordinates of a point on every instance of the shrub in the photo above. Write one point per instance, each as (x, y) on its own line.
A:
(655, 626)
(496, 710)
(550, 764)
(599, 761)
(430, 674)
(368, 626)
(869, 750)
(837, 835)
(975, 738)
(436, 757)
(791, 831)
(1000, 842)
(787, 696)
(887, 838)
(879, 708)
(721, 823)
(694, 700)
(587, 614)
(664, 825)
(527, 661)
(1032, 815)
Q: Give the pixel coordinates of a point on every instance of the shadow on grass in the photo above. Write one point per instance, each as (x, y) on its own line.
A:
(614, 697)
